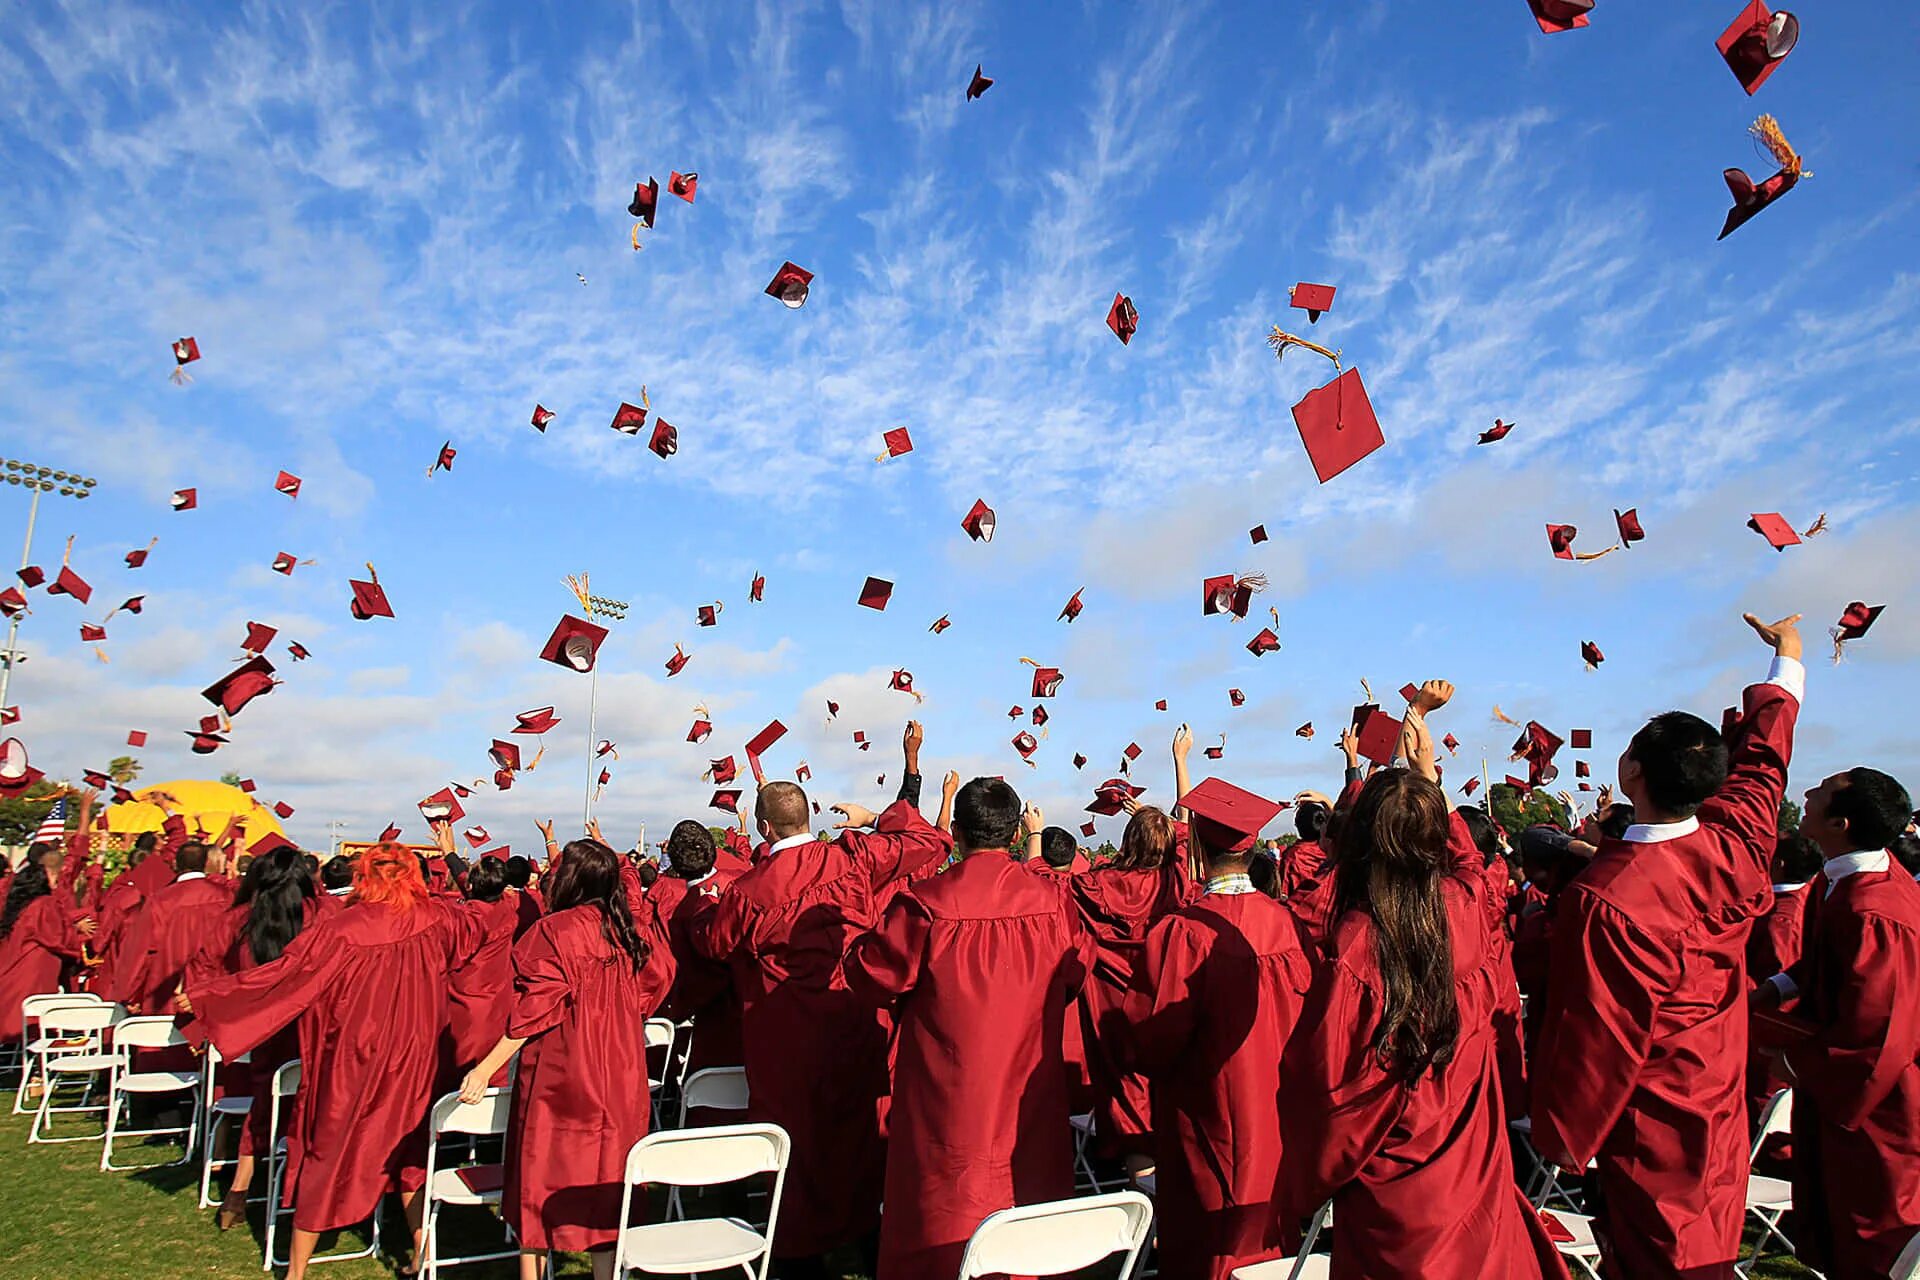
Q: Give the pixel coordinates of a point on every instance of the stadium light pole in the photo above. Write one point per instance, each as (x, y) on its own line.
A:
(611, 611)
(37, 480)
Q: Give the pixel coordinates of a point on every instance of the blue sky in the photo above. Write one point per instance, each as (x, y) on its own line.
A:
(372, 220)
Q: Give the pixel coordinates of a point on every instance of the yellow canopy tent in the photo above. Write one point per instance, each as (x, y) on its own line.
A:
(206, 806)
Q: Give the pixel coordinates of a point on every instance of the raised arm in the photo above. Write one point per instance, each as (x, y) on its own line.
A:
(884, 963)
(1182, 744)
(1034, 823)
(949, 787)
(1749, 802)
(910, 750)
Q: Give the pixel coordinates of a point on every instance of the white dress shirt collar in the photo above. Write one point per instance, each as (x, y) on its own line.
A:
(1655, 832)
(189, 875)
(1838, 869)
(804, 837)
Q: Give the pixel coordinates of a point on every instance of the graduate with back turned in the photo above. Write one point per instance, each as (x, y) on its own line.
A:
(1642, 1056)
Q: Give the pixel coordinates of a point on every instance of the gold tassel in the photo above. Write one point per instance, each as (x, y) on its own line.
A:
(1817, 528)
(1368, 690)
(1503, 718)
(1767, 129)
(536, 758)
(1280, 340)
(1595, 555)
(577, 583)
(637, 246)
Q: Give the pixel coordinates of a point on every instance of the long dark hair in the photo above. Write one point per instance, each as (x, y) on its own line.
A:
(588, 875)
(275, 893)
(1392, 859)
(29, 882)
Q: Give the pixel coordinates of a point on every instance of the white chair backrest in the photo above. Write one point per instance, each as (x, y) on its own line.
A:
(147, 1033)
(1907, 1265)
(1775, 1117)
(33, 1006)
(718, 1088)
(76, 1019)
(704, 1157)
(660, 1032)
(286, 1080)
(1055, 1238)
(489, 1115)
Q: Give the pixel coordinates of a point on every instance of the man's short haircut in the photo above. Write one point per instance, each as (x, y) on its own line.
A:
(1796, 859)
(1310, 819)
(1682, 759)
(1905, 849)
(519, 872)
(337, 873)
(986, 814)
(783, 806)
(144, 842)
(1619, 818)
(191, 856)
(487, 880)
(1057, 847)
(690, 850)
(1874, 805)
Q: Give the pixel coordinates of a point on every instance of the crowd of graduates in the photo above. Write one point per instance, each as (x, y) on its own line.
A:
(1366, 1016)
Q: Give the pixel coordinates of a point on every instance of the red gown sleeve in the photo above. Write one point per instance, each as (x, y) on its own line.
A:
(900, 844)
(1340, 1103)
(1749, 802)
(718, 933)
(1853, 1062)
(209, 964)
(542, 990)
(1608, 979)
(50, 927)
(240, 1011)
(1170, 980)
(884, 962)
(130, 958)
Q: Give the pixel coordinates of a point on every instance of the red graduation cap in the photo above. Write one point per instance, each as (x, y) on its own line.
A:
(1749, 198)
(574, 644)
(210, 724)
(605, 747)
(1214, 753)
(678, 662)
(722, 770)
(1079, 761)
(444, 460)
(1519, 784)
(92, 633)
(1536, 746)
(259, 636)
(1409, 691)
(1123, 319)
(860, 738)
(1073, 606)
(503, 779)
(645, 202)
(1026, 744)
(205, 743)
(902, 681)
(683, 185)
(282, 809)
(1160, 705)
(476, 836)
(1132, 752)
(1228, 594)
(247, 785)
(1227, 819)
(1756, 42)
(1038, 715)
(1236, 697)
(1258, 534)
(389, 833)
(1560, 15)
(1379, 734)
(298, 652)
(138, 556)
(1498, 431)
(1581, 769)
(1110, 795)
(876, 593)
(132, 604)
(764, 739)
(1304, 731)
(505, 755)
(1853, 624)
(980, 83)
(758, 589)
(1591, 655)
(442, 806)
(702, 729)
(288, 483)
(1560, 537)
(283, 564)
(136, 737)
(1264, 643)
(1312, 299)
(725, 799)
(1088, 828)
(979, 521)
(628, 419)
(666, 438)
(1015, 711)
(1046, 680)
(1628, 524)
(707, 615)
(13, 601)
(791, 285)
(538, 720)
(940, 624)
(72, 584)
(833, 708)
(185, 499)
(30, 575)
(897, 441)
(95, 779)
(802, 772)
(541, 417)
(369, 598)
(240, 686)
(1580, 739)
(1452, 744)
(16, 773)
(1337, 425)
(1778, 533)
(186, 350)
(1472, 785)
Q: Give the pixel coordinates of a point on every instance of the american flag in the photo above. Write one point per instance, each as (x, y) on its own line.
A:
(54, 825)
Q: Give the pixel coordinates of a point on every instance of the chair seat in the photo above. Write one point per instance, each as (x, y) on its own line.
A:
(78, 1062)
(1580, 1227)
(43, 1043)
(1082, 1123)
(1768, 1193)
(683, 1248)
(233, 1106)
(159, 1081)
(449, 1188)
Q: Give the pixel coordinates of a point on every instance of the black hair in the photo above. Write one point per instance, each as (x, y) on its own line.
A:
(1619, 818)
(690, 850)
(1057, 847)
(313, 863)
(275, 893)
(337, 872)
(1874, 805)
(1485, 832)
(144, 842)
(191, 856)
(1905, 849)
(1264, 870)
(28, 883)
(1796, 859)
(1310, 819)
(986, 814)
(589, 876)
(519, 872)
(1682, 759)
(37, 851)
(487, 880)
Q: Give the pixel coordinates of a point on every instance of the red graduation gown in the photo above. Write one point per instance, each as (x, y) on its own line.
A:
(1306, 886)
(1420, 1175)
(1642, 1051)
(1226, 977)
(169, 930)
(118, 906)
(368, 986)
(702, 989)
(1856, 1103)
(42, 939)
(580, 1101)
(978, 965)
(1081, 1096)
(1774, 947)
(481, 991)
(816, 1056)
(1119, 907)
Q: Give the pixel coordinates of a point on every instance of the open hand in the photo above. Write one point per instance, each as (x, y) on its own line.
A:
(1350, 744)
(1182, 742)
(1783, 635)
(950, 784)
(1432, 695)
(857, 815)
(1035, 822)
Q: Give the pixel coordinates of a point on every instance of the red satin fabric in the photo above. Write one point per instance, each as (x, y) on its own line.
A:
(702, 988)
(978, 965)
(1775, 946)
(816, 1056)
(43, 938)
(480, 993)
(580, 1101)
(1643, 1048)
(1856, 1102)
(167, 932)
(1420, 1175)
(1226, 978)
(368, 986)
(1306, 886)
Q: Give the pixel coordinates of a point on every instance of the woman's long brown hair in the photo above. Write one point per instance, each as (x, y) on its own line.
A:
(1147, 842)
(588, 875)
(1393, 858)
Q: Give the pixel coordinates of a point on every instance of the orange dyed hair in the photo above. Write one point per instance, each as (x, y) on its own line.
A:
(389, 873)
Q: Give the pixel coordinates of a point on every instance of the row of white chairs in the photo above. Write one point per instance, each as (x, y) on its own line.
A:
(78, 1042)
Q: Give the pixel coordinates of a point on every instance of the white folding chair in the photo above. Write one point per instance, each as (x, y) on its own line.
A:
(233, 1109)
(701, 1158)
(1769, 1199)
(660, 1034)
(1083, 1175)
(286, 1083)
(125, 1084)
(713, 1089)
(1304, 1265)
(74, 1054)
(455, 1185)
(33, 1046)
(1059, 1236)
(1907, 1265)
(1543, 1185)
